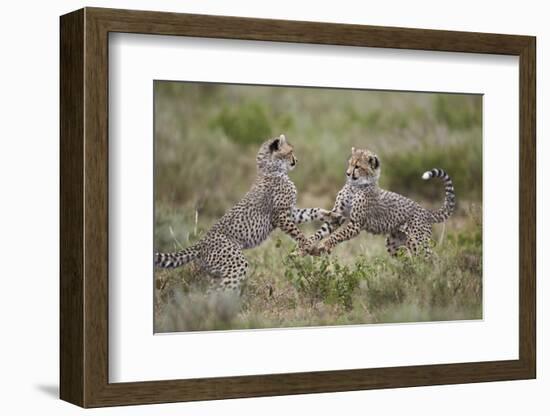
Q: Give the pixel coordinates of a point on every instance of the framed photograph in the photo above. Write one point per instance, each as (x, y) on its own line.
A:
(255, 207)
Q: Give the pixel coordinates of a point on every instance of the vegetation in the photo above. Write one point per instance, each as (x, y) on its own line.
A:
(206, 138)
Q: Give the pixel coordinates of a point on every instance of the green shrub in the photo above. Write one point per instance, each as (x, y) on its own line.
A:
(457, 112)
(245, 124)
(450, 281)
(321, 279)
(402, 171)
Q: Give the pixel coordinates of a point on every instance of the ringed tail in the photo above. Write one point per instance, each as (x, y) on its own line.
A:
(176, 259)
(441, 214)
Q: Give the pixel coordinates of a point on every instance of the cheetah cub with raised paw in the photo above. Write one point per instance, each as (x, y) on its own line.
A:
(370, 208)
(270, 203)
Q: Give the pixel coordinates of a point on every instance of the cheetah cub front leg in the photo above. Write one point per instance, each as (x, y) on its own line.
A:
(303, 215)
(337, 217)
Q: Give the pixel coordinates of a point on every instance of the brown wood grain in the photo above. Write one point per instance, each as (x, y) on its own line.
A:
(527, 207)
(84, 207)
(71, 100)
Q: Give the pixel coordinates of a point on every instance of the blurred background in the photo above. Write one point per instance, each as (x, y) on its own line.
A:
(206, 139)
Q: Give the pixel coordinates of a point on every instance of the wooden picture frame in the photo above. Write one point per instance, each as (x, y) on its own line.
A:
(84, 207)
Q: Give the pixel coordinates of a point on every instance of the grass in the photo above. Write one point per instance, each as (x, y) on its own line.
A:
(357, 284)
(206, 138)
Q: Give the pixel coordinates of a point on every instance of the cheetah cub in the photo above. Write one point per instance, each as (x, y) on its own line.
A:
(370, 208)
(269, 204)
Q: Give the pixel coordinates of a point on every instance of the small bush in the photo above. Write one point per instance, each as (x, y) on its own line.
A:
(462, 161)
(246, 124)
(428, 289)
(321, 279)
(457, 112)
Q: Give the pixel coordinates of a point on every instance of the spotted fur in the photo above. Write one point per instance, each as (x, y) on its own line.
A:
(269, 204)
(375, 210)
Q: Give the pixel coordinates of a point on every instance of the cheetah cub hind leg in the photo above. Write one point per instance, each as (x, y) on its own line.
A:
(425, 241)
(419, 239)
(395, 242)
(224, 261)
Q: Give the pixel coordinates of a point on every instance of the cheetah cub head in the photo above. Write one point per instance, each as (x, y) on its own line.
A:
(276, 156)
(363, 168)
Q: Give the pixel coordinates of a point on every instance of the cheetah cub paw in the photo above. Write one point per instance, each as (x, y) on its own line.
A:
(323, 247)
(305, 248)
(333, 218)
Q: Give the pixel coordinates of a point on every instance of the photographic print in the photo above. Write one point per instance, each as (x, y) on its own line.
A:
(352, 200)
(281, 206)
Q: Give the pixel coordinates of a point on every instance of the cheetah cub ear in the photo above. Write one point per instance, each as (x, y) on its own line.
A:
(276, 143)
(374, 162)
(353, 150)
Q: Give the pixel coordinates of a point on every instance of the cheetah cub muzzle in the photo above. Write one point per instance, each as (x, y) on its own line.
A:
(367, 207)
(269, 204)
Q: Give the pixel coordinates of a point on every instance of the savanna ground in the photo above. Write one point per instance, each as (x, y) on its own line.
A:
(206, 139)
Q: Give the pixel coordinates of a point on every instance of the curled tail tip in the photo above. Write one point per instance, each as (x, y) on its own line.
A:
(435, 173)
(441, 214)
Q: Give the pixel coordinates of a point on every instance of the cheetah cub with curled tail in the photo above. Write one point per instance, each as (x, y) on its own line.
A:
(370, 208)
(270, 203)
